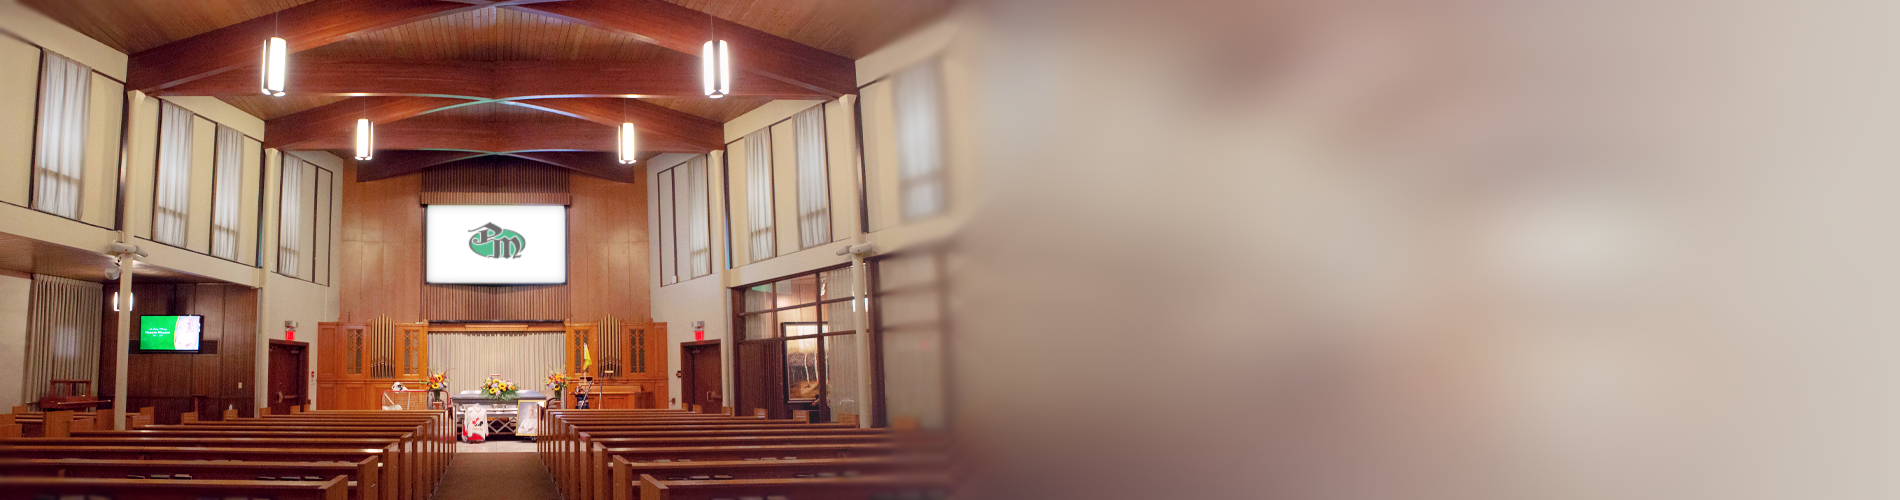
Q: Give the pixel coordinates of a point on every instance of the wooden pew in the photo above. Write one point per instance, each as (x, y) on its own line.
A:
(919, 486)
(395, 462)
(561, 429)
(362, 473)
(625, 482)
(387, 476)
(597, 461)
(430, 466)
(27, 488)
(431, 423)
(572, 445)
(569, 453)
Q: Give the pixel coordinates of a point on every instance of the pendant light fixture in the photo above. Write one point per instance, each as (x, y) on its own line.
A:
(275, 51)
(365, 135)
(715, 64)
(628, 138)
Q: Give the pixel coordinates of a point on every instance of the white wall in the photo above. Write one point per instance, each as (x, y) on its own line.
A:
(705, 299)
(14, 293)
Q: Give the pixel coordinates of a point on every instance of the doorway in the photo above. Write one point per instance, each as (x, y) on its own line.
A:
(289, 362)
(700, 379)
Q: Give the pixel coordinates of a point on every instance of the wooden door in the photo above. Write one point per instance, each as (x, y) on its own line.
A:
(288, 363)
(700, 381)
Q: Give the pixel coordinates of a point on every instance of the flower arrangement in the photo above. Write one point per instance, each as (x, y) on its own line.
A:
(557, 381)
(499, 388)
(439, 381)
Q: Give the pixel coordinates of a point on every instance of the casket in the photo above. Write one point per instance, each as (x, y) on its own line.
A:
(512, 415)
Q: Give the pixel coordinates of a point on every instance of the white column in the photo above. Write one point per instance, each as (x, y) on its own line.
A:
(122, 362)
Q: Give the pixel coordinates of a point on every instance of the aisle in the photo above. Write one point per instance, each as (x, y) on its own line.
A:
(515, 476)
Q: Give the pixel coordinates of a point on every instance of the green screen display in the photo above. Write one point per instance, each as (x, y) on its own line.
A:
(170, 333)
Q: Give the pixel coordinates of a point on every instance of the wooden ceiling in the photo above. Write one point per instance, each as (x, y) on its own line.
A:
(494, 64)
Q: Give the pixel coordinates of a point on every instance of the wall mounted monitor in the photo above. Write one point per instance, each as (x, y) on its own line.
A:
(495, 244)
(170, 333)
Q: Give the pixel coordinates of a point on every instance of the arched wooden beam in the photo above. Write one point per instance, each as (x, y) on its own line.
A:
(669, 75)
(685, 30)
(389, 164)
(660, 129)
(499, 137)
(304, 27)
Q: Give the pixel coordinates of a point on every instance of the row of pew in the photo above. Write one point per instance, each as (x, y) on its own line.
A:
(329, 455)
(21, 423)
(683, 455)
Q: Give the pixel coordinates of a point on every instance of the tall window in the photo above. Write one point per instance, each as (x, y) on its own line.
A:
(758, 163)
(59, 152)
(290, 216)
(798, 345)
(919, 115)
(685, 232)
(698, 219)
(225, 199)
(908, 299)
(814, 195)
(174, 174)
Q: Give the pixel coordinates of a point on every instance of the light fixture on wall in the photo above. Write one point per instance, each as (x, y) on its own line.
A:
(365, 138)
(629, 138)
(129, 300)
(275, 51)
(715, 64)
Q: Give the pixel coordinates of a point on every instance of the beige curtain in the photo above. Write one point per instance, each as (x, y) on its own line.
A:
(523, 357)
(62, 334)
(919, 115)
(225, 196)
(698, 221)
(814, 198)
(290, 217)
(173, 198)
(758, 179)
(59, 156)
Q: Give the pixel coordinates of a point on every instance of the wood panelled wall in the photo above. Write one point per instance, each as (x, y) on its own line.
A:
(172, 382)
(381, 270)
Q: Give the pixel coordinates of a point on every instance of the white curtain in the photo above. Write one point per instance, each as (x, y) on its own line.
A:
(525, 358)
(758, 165)
(62, 334)
(290, 216)
(225, 198)
(669, 264)
(814, 200)
(919, 116)
(682, 220)
(698, 221)
(174, 174)
(59, 156)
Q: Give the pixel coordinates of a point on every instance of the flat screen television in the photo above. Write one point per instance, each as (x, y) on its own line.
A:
(170, 333)
(495, 244)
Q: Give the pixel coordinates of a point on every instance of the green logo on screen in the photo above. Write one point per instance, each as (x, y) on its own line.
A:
(493, 242)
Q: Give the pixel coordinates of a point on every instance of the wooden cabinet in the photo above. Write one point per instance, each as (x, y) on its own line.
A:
(358, 361)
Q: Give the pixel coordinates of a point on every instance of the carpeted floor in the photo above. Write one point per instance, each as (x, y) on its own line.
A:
(513, 476)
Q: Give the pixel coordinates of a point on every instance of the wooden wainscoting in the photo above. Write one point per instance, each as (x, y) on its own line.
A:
(361, 360)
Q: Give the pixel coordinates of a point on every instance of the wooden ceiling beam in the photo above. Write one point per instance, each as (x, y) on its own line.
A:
(597, 164)
(672, 75)
(397, 163)
(388, 164)
(293, 132)
(685, 30)
(304, 27)
(654, 122)
(496, 137)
